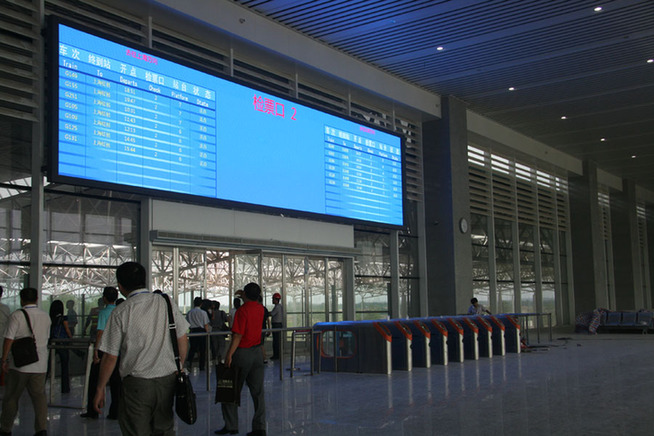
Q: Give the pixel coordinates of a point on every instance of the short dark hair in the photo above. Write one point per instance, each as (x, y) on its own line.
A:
(252, 291)
(197, 301)
(474, 300)
(29, 295)
(110, 294)
(131, 276)
(2, 290)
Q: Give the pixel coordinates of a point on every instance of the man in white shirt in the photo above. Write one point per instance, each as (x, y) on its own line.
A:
(31, 376)
(137, 331)
(277, 320)
(476, 308)
(199, 321)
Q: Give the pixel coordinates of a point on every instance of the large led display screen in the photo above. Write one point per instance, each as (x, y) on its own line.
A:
(127, 118)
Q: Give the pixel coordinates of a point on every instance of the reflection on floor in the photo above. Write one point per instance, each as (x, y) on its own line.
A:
(584, 385)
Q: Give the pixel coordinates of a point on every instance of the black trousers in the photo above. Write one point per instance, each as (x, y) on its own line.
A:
(198, 345)
(277, 336)
(114, 388)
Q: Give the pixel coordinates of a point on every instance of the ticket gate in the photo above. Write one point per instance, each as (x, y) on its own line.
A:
(485, 340)
(499, 346)
(421, 344)
(455, 350)
(470, 337)
(351, 346)
(438, 342)
(511, 333)
(401, 340)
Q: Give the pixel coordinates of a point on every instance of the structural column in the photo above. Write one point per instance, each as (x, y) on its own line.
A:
(588, 254)
(626, 251)
(447, 210)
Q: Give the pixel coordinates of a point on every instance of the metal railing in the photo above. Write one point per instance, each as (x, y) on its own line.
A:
(306, 332)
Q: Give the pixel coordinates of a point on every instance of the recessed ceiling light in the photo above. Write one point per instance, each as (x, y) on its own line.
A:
(440, 48)
(650, 61)
(633, 156)
(564, 117)
(598, 9)
(603, 139)
(512, 89)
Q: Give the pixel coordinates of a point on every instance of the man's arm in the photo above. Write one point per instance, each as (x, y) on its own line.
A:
(6, 346)
(107, 366)
(236, 339)
(182, 344)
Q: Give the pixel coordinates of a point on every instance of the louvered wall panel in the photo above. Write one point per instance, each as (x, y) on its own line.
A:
(19, 57)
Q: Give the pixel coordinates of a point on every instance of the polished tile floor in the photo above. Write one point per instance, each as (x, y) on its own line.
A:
(583, 385)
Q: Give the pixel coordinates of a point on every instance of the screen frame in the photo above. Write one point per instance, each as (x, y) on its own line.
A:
(52, 136)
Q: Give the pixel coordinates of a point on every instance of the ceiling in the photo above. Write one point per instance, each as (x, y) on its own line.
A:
(523, 63)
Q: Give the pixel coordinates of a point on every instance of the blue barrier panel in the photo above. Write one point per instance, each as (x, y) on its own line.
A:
(351, 346)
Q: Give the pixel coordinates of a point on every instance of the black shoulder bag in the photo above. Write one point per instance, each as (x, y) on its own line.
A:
(24, 349)
(184, 396)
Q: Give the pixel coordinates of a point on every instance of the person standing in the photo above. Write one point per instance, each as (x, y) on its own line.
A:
(72, 316)
(245, 354)
(198, 319)
(109, 295)
(137, 331)
(476, 308)
(30, 376)
(59, 330)
(92, 319)
(218, 324)
(277, 319)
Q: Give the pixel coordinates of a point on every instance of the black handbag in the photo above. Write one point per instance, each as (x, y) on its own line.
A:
(185, 406)
(227, 389)
(23, 350)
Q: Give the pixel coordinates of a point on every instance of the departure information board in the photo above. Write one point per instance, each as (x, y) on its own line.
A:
(127, 117)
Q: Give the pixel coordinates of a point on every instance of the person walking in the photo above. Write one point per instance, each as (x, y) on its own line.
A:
(31, 376)
(59, 330)
(137, 331)
(109, 295)
(245, 354)
(198, 319)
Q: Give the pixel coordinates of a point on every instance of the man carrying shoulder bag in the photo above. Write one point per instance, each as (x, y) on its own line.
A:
(26, 322)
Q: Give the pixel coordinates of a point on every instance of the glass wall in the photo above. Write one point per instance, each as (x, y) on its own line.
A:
(372, 275)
